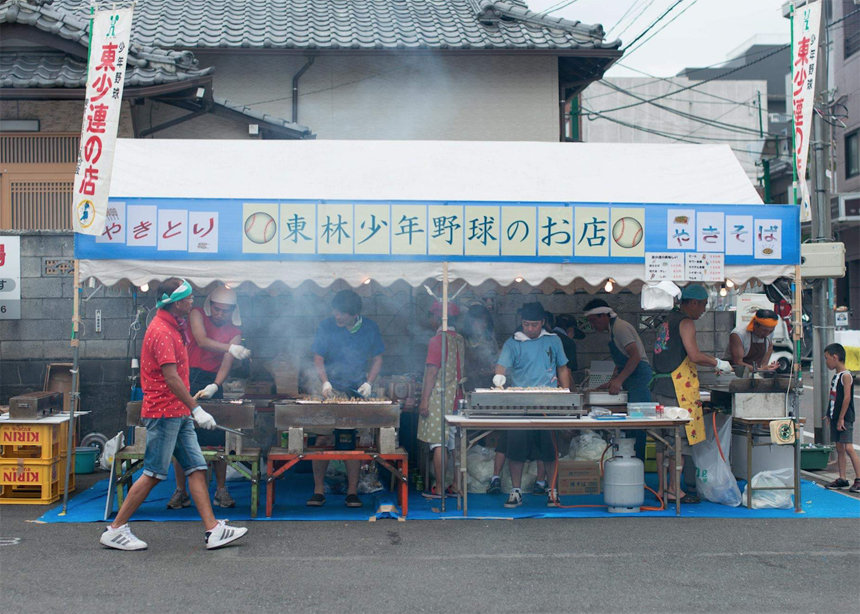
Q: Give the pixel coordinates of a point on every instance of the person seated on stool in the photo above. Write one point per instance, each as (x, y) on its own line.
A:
(342, 347)
(215, 343)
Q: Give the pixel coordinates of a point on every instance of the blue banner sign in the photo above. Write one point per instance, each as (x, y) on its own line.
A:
(231, 229)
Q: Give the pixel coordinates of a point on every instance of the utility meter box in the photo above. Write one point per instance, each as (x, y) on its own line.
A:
(822, 260)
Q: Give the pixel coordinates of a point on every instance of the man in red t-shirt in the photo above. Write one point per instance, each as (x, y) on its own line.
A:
(215, 338)
(430, 409)
(169, 413)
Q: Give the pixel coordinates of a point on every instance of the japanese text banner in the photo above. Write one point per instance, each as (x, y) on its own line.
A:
(804, 58)
(491, 231)
(105, 79)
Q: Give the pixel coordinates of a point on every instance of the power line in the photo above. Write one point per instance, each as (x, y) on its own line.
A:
(844, 17)
(684, 114)
(656, 79)
(654, 23)
(698, 83)
(556, 7)
(675, 83)
(620, 19)
(636, 18)
(668, 23)
(687, 135)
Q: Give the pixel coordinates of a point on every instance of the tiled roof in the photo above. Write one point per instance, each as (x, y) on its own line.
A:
(51, 70)
(146, 65)
(347, 24)
(296, 130)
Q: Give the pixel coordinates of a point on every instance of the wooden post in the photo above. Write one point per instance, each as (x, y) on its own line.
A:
(73, 395)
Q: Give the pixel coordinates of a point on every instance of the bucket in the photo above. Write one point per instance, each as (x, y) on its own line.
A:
(85, 460)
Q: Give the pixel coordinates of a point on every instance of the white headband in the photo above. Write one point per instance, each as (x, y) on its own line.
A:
(597, 311)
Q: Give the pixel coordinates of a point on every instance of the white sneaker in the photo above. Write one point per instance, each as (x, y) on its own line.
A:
(121, 539)
(515, 499)
(223, 534)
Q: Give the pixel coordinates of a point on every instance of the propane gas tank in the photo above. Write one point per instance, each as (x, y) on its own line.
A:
(623, 479)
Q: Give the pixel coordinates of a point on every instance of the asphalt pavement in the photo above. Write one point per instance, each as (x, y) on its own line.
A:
(562, 565)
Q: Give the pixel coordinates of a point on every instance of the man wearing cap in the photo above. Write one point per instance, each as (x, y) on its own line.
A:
(342, 348)
(430, 408)
(676, 378)
(533, 358)
(751, 345)
(215, 343)
(169, 413)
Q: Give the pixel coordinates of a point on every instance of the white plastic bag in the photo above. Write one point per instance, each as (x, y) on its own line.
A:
(659, 296)
(589, 446)
(775, 499)
(113, 445)
(480, 465)
(714, 479)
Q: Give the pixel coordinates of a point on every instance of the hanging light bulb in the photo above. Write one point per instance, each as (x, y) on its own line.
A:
(723, 291)
(144, 288)
(519, 280)
(366, 281)
(610, 285)
(730, 283)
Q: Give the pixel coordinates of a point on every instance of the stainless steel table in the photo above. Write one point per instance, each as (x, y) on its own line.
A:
(653, 426)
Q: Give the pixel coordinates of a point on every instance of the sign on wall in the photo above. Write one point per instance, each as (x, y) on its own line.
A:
(10, 278)
(229, 229)
(105, 81)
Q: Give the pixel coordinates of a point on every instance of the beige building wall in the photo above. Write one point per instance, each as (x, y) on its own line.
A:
(387, 97)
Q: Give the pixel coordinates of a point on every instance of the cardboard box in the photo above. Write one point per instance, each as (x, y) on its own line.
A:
(58, 378)
(578, 478)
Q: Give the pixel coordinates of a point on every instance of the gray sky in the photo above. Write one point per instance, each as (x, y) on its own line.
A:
(707, 33)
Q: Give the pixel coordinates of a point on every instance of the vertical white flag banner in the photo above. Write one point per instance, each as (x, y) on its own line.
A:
(804, 59)
(105, 79)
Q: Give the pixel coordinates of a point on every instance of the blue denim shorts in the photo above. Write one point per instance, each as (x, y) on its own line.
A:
(167, 437)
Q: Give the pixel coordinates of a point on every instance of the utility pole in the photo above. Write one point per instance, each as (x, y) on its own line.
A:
(822, 317)
(765, 163)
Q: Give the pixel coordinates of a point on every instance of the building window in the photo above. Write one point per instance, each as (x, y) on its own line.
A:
(852, 154)
(851, 27)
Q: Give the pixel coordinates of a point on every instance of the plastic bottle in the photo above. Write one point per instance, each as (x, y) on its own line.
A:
(660, 411)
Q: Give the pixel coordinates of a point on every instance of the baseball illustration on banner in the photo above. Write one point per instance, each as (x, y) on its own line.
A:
(627, 232)
(86, 214)
(259, 228)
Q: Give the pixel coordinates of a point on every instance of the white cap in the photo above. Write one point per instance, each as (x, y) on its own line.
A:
(225, 296)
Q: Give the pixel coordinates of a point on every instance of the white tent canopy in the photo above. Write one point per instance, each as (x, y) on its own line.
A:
(420, 170)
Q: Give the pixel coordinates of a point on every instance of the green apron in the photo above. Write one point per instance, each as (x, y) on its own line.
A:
(430, 426)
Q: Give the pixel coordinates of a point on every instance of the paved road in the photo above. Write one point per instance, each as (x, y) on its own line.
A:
(589, 565)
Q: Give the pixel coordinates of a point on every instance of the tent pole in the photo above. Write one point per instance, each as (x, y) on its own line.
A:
(73, 395)
(440, 479)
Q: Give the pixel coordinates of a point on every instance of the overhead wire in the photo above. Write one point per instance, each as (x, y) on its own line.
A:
(653, 23)
(556, 7)
(697, 83)
(666, 25)
(686, 115)
(620, 19)
(635, 19)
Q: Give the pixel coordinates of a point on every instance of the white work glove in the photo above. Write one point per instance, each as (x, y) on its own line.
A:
(203, 419)
(239, 353)
(499, 381)
(208, 392)
(723, 366)
(327, 390)
(364, 389)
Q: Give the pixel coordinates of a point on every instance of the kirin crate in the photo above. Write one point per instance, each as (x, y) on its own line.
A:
(34, 482)
(33, 441)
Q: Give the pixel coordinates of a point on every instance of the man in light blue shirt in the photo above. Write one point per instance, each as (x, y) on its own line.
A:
(533, 358)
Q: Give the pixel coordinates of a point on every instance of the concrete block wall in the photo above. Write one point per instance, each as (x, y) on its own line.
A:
(273, 323)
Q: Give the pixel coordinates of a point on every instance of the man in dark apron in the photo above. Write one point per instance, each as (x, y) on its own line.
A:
(632, 371)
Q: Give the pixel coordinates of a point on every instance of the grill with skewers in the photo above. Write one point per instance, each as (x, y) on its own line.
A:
(531, 402)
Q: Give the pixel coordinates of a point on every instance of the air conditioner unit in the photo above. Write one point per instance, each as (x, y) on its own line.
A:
(848, 207)
(822, 260)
